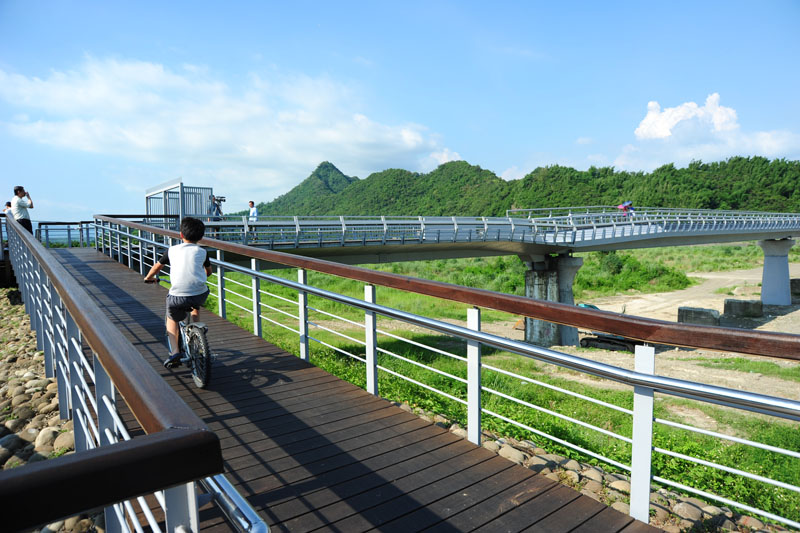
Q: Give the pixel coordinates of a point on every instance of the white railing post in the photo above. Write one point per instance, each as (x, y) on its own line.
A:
(256, 285)
(474, 379)
(220, 286)
(180, 507)
(105, 423)
(370, 342)
(642, 436)
(302, 314)
(49, 334)
(37, 316)
(73, 339)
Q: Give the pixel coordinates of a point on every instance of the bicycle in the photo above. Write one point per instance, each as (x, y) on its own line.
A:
(193, 340)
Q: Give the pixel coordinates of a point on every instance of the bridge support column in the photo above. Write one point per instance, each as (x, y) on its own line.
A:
(550, 278)
(775, 285)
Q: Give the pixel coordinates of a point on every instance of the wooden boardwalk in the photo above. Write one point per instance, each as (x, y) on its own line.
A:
(311, 452)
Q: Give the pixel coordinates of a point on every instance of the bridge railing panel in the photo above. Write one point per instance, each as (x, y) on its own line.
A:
(476, 376)
(94, 366)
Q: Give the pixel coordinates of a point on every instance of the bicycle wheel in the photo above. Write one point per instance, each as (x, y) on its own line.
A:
(200, 357)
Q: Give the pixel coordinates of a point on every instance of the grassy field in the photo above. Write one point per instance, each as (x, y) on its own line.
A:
(632, 271)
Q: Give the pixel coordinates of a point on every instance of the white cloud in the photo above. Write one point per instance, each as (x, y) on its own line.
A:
(584, 140)
(658, 124)
(710, 132)
(434, 159)
(259, 139)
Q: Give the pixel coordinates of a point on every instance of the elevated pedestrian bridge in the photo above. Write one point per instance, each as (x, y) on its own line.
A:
(276, 441)
(527, 233)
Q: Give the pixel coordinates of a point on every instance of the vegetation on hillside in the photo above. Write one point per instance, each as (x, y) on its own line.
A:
(458, 188)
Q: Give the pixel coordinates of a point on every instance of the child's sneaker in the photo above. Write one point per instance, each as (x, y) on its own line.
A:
(173, 360)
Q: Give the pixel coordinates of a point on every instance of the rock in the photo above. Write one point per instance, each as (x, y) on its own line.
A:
(688, 511)
(46, 437)
(659, 512)
(571, 477)
(593, 486)
(590, 493)
(14, 425)
(512, 454)
(17, 391)
(553, 457)
(28, 435)
(459, 432)
(47, 408)
(622, 507)
(65, 440)
(752, 523)
(554, 476)
(82, 526)
(710, 511)
(37, 383)
(491, 445)
(11, 442)
(570, 464)
(52, 387)
(53, 422)
(45, 449)
(19, 399)
(70, 522)
(727, 524)
(23, 412)
(593, 474)
(53, 528)
(621, 486)
(36, 457)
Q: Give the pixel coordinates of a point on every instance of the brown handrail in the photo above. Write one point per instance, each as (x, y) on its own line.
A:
(773, 344)
(179, 447)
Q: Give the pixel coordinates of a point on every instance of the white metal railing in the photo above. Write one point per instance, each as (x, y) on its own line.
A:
(88, 395)
(66, 234)
(574, 227)
(467, 386)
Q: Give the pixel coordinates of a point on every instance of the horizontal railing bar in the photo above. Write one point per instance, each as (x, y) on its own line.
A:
(783, 345)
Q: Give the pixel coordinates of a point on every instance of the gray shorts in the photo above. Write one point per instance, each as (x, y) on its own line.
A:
(179, 306)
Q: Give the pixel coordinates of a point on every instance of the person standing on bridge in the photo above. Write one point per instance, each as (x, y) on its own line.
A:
(253, 211)
(19, 207)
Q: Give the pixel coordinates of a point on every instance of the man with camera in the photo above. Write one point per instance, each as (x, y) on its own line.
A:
(215, 210)
(19, 207)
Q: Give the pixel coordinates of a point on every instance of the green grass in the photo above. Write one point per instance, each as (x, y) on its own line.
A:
(644, 270)
(766, 368)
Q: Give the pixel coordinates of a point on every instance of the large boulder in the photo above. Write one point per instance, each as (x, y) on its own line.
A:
(698, 315)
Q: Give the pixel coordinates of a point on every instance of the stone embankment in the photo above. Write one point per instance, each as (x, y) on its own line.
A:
(669, 510)
(31, 429)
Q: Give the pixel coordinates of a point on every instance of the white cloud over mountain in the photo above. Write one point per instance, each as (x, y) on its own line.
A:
(709, 132)
(262, 137)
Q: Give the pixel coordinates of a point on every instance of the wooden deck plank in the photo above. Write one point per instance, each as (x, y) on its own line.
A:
(310, 451)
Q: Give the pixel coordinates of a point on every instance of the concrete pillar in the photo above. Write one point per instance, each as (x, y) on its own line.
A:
(550, 278)
(567, 267)
(775, 287)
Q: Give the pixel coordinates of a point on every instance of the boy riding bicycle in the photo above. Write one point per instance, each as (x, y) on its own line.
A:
(189, 270)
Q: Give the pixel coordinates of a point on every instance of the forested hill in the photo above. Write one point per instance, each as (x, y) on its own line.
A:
(458, 188)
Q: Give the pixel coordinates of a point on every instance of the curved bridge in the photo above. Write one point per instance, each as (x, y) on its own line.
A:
(527, 233)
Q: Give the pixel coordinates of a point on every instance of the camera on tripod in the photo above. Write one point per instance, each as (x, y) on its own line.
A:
(220, 198)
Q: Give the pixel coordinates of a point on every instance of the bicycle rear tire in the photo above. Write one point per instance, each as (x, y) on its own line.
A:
(200, 356)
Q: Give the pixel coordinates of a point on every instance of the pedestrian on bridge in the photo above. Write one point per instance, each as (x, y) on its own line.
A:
(19, 207)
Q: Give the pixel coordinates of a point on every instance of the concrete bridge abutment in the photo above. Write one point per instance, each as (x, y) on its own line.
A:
(775, 284)
(550, 278)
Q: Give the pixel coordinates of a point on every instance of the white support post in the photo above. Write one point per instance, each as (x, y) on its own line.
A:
(103, 386)
(181, 508)
(302, 313)
(474, 379)
(37, 317)
(256, 298)
(73, 360)
(642, 448)
(220, 286)
(370, 341)
(50, 334)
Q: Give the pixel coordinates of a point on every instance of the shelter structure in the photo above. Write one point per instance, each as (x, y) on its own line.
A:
(175, 198)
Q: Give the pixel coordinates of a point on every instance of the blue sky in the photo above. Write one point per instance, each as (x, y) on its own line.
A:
(102, 100)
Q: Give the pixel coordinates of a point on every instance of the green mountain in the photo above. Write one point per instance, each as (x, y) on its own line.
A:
(313, 195)
(458, 188)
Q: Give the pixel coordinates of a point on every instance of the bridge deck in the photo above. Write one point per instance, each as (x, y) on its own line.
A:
(312, 452)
